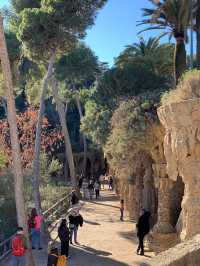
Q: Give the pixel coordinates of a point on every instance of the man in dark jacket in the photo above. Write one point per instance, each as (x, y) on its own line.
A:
(143, 228)
(63, 234)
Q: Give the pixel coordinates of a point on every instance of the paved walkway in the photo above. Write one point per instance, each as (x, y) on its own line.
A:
(103, 239)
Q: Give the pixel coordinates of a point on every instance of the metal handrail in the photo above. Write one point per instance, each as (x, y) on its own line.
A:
(5, 246)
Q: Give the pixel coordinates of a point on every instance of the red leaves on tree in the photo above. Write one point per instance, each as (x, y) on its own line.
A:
(51, 139)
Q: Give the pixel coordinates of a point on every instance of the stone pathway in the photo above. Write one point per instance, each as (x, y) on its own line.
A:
(103, 239)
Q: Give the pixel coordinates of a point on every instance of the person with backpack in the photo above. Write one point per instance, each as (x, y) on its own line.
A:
(143, 228)
(63, 234)
(19, 246)
(75, 220)
(35, 226)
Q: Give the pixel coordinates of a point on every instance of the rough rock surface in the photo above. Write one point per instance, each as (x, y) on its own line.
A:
(182, 151)
(184, 254)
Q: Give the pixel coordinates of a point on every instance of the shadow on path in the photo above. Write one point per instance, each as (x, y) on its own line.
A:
(129, 235)
(90, 222)
(87, 256)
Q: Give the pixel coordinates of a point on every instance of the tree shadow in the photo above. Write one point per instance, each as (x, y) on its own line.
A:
(95, 251)
(129, 235)
(91, 222)
(84, 256)
(103, 204)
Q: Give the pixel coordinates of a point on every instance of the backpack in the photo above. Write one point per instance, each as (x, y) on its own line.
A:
(18, 248)
(62, 261)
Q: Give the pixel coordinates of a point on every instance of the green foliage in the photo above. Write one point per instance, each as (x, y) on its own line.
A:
(48, 168)
(170, 15)
(50, 194)
(20, 5)
(130, 129)
(3, 160)
(56, 25)
(157, 57)
(131, 80)
(80, 66)
(14, 46)
(188, 88)
(95, 123)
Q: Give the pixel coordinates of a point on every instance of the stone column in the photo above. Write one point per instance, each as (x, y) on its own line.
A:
(132, 199)
(163, 225)
(182, 150)
(163, 235)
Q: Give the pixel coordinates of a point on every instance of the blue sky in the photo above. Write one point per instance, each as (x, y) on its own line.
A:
(115, 27)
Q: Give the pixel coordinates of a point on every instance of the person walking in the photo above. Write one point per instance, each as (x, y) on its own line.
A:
(85, 188)
(102, 181)
(64, 235)
(35, 226)
(74, 198)
(91, 189)
(97, 188)
(75, 220)
(143, 228)
(80, 182)
(122, 210)
(110, 183)
(19, 246)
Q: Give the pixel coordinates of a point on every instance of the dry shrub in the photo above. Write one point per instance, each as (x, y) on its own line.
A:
(188, 88)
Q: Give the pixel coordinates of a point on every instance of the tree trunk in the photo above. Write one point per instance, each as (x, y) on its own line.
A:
(68, 147)
(179, 58)
(198, 33)
(36, 160)
(83, 135)
(16, 158)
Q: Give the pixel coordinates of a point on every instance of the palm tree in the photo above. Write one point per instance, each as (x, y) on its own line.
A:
(158, 57)
(17, 167)
(173, 16)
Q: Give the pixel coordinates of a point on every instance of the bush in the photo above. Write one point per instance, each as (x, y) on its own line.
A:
(188, 88)
(50, 194)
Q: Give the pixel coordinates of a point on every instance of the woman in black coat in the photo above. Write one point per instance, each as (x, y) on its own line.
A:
(63, 234)
(74, 222)
(143, 228)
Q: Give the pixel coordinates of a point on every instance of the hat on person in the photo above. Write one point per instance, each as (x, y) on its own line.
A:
(20, 231)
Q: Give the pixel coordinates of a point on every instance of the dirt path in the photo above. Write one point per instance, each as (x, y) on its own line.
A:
(103, 239)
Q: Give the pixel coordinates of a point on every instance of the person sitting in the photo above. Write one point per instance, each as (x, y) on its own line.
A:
(143, 228)
(19, 246)
(52, 257)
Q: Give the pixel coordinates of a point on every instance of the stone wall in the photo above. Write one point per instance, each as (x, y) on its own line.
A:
(182, 151)
(184, 254)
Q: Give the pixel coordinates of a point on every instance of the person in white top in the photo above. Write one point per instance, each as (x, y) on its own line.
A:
(102, 181)
(97, 188)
